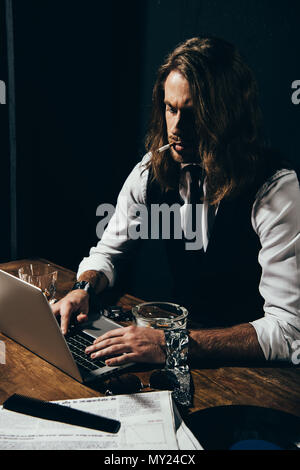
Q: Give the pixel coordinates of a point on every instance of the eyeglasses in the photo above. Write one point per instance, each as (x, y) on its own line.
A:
(130, 383)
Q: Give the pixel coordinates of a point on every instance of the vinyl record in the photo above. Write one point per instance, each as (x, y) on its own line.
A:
(245, 427)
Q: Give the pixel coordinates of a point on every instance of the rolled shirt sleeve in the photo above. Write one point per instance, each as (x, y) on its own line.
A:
(276, 220)
(116, 240)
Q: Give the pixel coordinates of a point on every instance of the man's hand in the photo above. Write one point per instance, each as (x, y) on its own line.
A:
(130, 344)
(76, 301)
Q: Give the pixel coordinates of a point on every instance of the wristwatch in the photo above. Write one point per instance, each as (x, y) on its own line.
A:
(177, 342)
(85, 285)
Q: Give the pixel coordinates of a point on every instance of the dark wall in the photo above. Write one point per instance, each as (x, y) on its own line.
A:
(84, 77)
(4, 151)
(76, 119)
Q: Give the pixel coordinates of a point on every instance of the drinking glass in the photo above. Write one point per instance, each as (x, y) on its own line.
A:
(160, 315)
(172, 318)
(43, 276)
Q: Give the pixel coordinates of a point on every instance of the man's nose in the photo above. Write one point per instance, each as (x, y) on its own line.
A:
(178, 124)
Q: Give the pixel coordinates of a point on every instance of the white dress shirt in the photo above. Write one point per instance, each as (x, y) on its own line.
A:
(276, 220)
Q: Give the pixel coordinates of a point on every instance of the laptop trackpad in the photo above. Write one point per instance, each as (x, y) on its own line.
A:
(98, 325)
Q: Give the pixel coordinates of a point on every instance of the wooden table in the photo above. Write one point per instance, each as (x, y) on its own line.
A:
(275, 386)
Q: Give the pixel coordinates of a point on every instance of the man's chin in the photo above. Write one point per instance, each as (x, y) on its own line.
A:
(185, 156)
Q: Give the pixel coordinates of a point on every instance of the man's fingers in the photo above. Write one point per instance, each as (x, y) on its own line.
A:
(65, 315)
(75, 303)
(55, 308)
(111, 351)
(120, 360)
(112, 334)
(82, 317)
(130, 344)
(104, 344)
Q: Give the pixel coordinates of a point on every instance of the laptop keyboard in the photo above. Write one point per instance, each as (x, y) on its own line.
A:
(77, 343)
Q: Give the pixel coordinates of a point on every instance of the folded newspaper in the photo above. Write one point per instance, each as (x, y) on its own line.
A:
(149, 421)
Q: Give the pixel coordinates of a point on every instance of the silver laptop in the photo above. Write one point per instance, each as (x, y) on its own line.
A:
(27, 318)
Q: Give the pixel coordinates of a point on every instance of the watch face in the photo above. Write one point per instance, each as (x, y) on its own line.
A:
(81, 285)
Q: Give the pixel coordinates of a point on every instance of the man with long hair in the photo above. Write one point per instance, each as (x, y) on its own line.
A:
(205, 151)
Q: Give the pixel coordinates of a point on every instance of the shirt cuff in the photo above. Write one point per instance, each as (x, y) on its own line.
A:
(98, 263)
(276, 338)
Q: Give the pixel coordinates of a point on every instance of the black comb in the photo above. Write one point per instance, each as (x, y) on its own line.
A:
(63, 414)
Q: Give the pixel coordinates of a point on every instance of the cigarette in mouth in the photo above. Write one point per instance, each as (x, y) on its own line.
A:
(163, 148)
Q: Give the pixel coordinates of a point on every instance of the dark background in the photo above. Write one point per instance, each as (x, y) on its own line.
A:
(84, 77)
(4, 152)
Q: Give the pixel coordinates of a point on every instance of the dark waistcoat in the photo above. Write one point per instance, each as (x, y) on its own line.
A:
(220, 286)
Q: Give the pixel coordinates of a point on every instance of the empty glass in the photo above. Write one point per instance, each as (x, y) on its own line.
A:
(162, 315)
(43, 276)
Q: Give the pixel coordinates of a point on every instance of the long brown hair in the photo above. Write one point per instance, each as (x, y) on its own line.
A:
(227, 117)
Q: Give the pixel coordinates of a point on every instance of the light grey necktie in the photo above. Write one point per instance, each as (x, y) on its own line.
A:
(191, 192)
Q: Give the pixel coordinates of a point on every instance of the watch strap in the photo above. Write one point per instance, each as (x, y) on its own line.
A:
(177, 342)
(84, 285)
